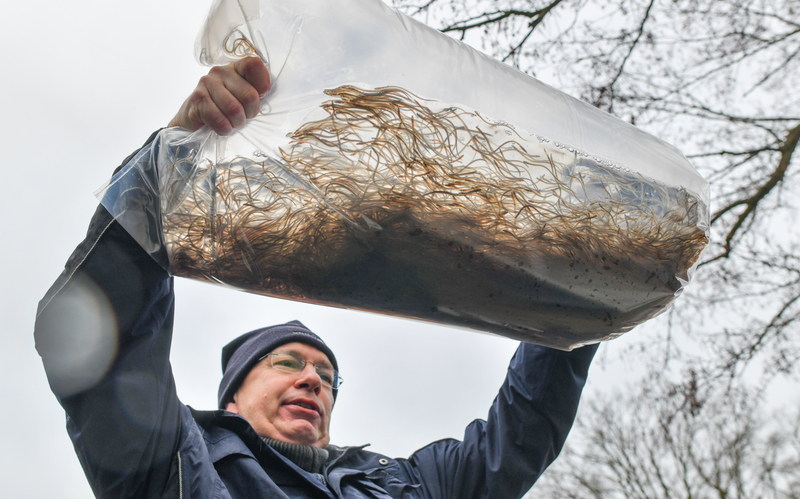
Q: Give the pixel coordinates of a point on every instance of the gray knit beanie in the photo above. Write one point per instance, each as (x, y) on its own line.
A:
(241, 354)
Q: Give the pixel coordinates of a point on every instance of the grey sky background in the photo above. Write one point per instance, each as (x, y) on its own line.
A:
(83, 84)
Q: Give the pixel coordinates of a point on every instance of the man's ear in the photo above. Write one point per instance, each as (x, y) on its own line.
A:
(231, 407)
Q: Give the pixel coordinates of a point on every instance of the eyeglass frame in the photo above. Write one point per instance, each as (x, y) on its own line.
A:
(336, 376)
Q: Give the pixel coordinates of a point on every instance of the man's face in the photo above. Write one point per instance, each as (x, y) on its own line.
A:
(294, 408)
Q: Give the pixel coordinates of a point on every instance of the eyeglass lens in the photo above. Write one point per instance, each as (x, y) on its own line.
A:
(291, 363)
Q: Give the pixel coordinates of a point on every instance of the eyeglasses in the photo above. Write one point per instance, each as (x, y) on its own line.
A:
(293, 364)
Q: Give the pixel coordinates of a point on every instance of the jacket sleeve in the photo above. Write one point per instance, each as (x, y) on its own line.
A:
(525, 430)
(103, 331)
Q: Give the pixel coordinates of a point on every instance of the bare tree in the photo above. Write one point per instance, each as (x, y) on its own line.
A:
(718, 79)
(683, 441)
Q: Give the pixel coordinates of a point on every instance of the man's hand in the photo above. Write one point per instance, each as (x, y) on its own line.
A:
(226, 97)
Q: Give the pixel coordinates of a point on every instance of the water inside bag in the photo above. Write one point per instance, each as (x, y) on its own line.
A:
(412, 207)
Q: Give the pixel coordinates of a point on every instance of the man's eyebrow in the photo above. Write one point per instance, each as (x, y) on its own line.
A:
(324, 363)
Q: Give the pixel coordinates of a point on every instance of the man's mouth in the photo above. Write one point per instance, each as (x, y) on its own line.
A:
(305, 404)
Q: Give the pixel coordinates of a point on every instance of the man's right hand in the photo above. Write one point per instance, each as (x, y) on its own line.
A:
(226, 97)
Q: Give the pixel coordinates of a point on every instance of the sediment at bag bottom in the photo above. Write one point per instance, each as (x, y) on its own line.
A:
(422, 273)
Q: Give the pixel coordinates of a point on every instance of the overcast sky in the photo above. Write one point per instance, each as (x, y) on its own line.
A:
(83, 84)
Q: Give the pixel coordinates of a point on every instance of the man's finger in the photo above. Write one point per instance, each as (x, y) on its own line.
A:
(223, 85)
(253, 70)
(245, 93)
(200, 109)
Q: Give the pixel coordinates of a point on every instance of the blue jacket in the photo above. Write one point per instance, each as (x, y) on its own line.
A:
(134, 438)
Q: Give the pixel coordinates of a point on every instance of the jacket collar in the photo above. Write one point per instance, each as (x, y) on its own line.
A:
(226, 433)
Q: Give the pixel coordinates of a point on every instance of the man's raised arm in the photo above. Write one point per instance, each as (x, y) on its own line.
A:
(104, 328)
(525, 430)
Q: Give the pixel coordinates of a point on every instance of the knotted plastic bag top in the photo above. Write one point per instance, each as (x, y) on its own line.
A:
(396, 170)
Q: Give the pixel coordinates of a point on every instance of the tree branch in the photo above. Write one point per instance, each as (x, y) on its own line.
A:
(631, 48)
(536, 16)
(751, 203)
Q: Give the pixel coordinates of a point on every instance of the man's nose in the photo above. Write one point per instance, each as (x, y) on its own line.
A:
(309, 377)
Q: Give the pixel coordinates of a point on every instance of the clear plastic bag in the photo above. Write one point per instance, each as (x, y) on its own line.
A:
(396, 170)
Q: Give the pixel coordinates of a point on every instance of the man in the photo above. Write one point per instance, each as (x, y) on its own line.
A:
(270, 436)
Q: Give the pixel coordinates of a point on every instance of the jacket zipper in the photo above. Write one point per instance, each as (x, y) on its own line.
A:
(180, 476)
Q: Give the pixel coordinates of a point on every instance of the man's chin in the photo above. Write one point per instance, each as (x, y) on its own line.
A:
(304, 433)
